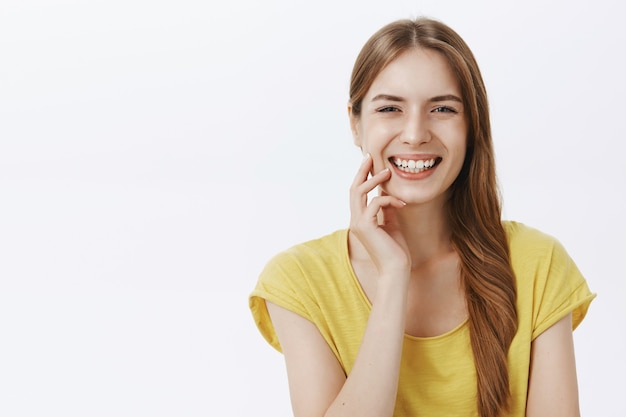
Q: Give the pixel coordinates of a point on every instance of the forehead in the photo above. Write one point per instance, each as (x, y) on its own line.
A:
(416, 73)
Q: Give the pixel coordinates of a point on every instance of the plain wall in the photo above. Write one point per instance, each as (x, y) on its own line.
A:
(155, 154)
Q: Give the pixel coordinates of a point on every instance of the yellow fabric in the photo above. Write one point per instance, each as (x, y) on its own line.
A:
(437, 377)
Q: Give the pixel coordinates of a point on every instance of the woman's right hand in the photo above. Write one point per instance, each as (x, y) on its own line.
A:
(318, 384)
(382, 240)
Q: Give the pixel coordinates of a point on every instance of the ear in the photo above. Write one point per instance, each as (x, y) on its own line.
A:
(354, 126)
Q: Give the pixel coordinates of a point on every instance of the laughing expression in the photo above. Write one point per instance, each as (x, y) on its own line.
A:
(412, 121)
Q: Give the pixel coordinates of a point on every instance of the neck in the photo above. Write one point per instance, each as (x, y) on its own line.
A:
(425, 229)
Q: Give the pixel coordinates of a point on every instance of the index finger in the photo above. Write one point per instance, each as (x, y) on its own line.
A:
(363, 171)
(358, 198)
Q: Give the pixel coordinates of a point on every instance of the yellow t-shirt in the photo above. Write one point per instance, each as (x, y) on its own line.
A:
(437, 376)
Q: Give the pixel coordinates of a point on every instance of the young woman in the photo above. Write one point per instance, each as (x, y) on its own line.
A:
(429, 304)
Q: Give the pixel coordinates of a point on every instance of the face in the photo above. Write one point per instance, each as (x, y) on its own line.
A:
(413, 122)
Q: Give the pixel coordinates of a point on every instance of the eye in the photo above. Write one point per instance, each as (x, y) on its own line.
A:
(387, 109)
(444, 109)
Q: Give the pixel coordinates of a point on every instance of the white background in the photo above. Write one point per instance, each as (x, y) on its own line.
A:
(155, 154)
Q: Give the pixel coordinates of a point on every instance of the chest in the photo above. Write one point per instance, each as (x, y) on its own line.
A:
(435, 297)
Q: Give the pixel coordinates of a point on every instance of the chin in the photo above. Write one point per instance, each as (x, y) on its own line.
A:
(415, 195)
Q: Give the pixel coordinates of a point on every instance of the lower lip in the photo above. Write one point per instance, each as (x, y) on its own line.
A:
(414, 176)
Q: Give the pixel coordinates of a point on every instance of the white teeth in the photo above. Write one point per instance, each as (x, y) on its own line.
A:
(414, 166)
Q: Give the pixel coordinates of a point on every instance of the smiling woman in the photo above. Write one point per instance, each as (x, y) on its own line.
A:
(429, 303)
(412, 114)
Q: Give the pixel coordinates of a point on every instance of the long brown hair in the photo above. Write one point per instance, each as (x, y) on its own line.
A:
(473, 209)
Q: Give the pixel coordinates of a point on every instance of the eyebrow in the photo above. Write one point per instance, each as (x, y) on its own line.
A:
(387, 97)
(446, 97)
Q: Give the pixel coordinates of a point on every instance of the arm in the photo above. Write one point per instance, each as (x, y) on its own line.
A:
(317, 383)
(553, 386)
(314, 374)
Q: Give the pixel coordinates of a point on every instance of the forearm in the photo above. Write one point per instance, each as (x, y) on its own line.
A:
(371, 387)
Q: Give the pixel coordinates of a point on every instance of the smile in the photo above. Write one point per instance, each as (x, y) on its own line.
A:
(414, 166)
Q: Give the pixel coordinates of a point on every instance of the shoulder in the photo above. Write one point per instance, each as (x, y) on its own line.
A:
(323, 246)
(520, 234)
(308, 256)
(539, 259)
(301, 279)
(527, 243)
(549, 283)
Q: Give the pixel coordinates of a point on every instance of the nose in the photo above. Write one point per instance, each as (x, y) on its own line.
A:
(415, 129)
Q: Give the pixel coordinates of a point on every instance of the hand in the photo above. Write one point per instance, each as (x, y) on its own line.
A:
(383, 242)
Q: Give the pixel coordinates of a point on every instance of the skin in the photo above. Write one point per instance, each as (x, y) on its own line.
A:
(400, 249)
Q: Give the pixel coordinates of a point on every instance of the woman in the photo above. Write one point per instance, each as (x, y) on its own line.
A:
(428, 304)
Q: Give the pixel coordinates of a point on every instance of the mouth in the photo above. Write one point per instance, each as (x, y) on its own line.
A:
(414, 166)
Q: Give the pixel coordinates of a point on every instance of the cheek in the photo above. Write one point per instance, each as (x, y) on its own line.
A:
(375, 149)
(379, 165)
(461, 153)
(376, 137)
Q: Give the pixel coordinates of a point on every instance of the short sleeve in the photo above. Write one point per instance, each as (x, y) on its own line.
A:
(278, 283)
(559, 289)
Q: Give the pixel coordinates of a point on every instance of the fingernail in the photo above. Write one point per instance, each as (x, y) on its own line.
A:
(366, 157)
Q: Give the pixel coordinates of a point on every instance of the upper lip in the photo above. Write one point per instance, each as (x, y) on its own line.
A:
(415, 157)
